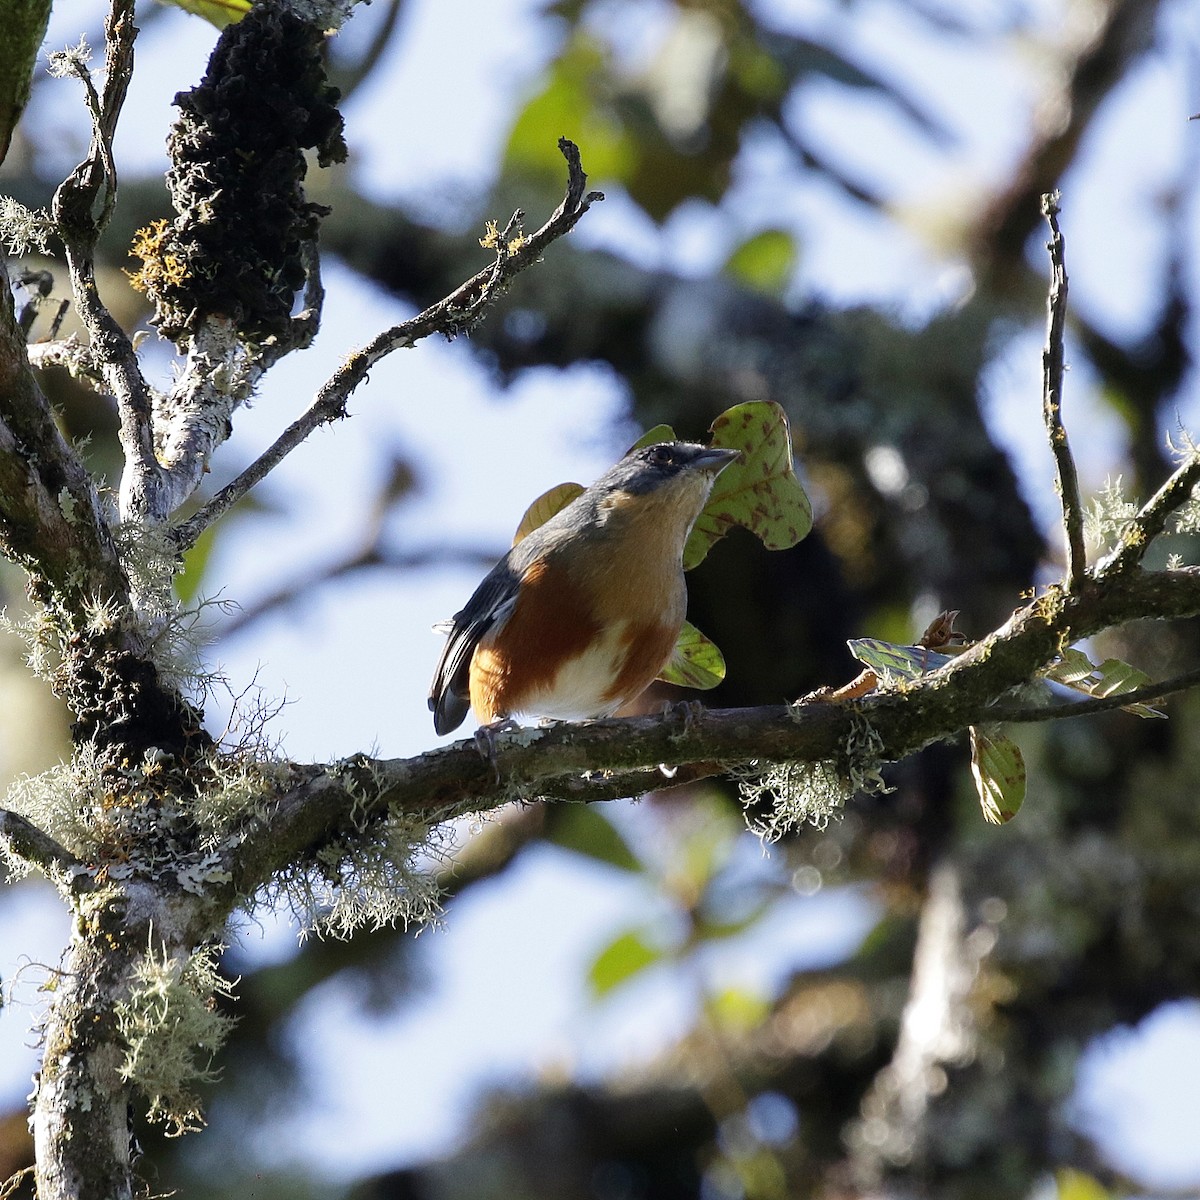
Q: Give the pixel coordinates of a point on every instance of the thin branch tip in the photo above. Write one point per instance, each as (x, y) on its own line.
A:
(1053, 370)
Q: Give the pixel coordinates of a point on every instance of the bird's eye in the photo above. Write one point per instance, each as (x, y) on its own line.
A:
(660, 456)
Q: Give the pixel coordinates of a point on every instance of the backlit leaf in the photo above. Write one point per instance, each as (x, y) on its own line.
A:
(546, 506)
(765, 262)
(736, 1010)
(583, 830)
(1112, 677)
(1075, 1185)
(624, 957)
(760, 491)
(652, 437)
(999, 771)
(695, 662)
(889, 658)
(218, 12)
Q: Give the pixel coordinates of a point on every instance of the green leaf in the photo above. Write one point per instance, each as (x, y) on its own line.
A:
(195, 562)
(707, 929)
(218, 12)
(1075, 1185)
(889, 658)
(652, 437)
(736, 1010)
(765, 262)
(695, 662)
(760, 491)
(583, 830)
(573, 103)
(625, 956)
(544, 507)
(1112, 677)
(999, 771)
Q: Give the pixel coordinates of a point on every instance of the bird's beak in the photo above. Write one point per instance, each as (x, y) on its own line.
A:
(714, 460)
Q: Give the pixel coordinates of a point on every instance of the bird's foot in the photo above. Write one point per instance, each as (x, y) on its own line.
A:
(485, 743)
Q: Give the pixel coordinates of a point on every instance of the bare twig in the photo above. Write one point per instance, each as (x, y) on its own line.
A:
(1146, 694)
(450, 315)
(1052, 387)
(1151, 520)
(362, 558)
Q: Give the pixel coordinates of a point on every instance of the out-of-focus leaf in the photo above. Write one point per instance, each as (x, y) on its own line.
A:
(625, 956)
(736, 1010)
(760, 491)
(706, 930)
(1075, 1185)
(218, 12)
(889, 658)
(544, 507)
(765, 262)
(999, 771)
(696, 662)
(195, 562)
(580, 828)
(573, 103)
(800, 57)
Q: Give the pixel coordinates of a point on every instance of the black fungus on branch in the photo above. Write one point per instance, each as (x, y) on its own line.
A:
(237, 168)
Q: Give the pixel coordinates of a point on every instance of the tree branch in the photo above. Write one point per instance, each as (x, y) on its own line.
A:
(1052, 386)
(450, 316)
(1146, 694)
(50, 520)
(605, 759)
(1151, 520)
(79, 229)
(24, 840)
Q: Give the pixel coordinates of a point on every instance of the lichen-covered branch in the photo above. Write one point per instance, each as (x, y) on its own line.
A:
(1152, 518)
(23, 840)
(603, 759)
(1052, 397)
(24, 28)
(50, 519)
(451, 315)
(79, 228)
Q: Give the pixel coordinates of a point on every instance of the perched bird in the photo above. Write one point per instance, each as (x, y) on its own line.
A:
(582, 614)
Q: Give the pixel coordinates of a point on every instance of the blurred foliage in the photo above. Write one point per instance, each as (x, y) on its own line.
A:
(1074, 918)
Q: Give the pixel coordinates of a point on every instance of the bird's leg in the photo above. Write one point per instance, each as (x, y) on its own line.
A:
(485, 742)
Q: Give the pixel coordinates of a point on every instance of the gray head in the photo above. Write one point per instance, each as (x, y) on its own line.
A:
(667, 465)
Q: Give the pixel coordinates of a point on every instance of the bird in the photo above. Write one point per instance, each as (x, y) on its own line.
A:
(582, 614)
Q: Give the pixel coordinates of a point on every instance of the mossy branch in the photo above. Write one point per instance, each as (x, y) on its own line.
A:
(605, 759)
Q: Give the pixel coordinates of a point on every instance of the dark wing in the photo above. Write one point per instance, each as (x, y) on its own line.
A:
(449, 696)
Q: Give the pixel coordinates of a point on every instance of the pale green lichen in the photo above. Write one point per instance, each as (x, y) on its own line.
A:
(22, 229)
(1108, 515)
(386, 878)
(64, 802)
(779, 797)
(173, 1031)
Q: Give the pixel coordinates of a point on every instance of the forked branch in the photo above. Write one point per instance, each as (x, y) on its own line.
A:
(449, 316)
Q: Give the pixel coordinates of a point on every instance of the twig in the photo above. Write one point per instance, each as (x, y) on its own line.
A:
(79, 229)
(1098, 704)
(1052, 386)
(1152, 519)
(450, 315)
(26, 841)
(362, 558)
